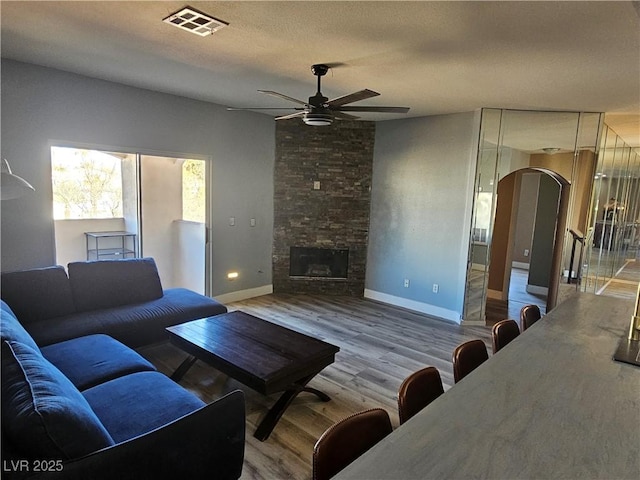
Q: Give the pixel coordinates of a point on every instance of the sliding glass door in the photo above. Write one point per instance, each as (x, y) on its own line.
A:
(159, 202)
(173, 219)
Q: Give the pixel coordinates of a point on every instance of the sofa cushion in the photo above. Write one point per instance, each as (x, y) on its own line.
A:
(145, 401)
(111, 283)
(38, 294)
(133, 325)
(88, 361)
(12, 329)
(43, 414)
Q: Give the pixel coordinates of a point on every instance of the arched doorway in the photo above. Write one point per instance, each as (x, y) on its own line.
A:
(529, 217)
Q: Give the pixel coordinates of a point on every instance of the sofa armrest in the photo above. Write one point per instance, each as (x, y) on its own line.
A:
(207, 443)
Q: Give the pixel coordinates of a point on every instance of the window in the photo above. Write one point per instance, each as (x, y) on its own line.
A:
(86, 184)
(193, 191)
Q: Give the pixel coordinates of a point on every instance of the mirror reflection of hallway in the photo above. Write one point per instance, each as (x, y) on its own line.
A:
(497, 310)
(520, 269)
(560, 144)
(611, 264)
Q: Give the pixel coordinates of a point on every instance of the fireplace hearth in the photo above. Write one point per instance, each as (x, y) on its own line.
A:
(318, 262)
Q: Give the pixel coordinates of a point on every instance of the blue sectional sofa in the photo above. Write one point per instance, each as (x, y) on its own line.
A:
(120, 298)
(92, 408)
(77, 403)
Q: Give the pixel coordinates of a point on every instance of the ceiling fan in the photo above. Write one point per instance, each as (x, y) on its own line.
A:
(319, 110)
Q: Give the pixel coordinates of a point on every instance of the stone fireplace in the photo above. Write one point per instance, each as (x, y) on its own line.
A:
(322, 182)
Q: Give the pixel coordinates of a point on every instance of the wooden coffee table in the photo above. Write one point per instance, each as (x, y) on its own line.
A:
(267, 357)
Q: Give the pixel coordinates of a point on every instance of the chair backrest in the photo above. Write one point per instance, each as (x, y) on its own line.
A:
(467, 357)
(346, 440)
(503, 332)
(417, 391)
(529, 314)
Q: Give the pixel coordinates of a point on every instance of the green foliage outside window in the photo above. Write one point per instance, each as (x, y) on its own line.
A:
(86, 184)
(193, 191)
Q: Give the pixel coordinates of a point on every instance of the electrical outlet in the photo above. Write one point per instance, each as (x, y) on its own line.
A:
(436, 287)
(316, 185)
(252, 222)
(406, 283)
(232, 221)
(526, 252)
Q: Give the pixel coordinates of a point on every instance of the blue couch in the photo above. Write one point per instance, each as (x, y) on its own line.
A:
(120, 298)
(92, 408)
(77, 403)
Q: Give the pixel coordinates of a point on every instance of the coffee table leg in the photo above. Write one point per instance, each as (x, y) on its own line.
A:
(321, 395)
(273, 415)
(182, 369)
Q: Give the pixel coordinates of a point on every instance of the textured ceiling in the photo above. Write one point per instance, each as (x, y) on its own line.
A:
(434, 57)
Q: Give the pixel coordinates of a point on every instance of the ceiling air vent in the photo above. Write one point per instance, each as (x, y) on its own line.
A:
(193, 21)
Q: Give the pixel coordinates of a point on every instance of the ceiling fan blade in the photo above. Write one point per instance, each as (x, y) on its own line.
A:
(286, 97)
(292, 115)
(343, 116)
(352, 97)
(233, 109)
(373, 109)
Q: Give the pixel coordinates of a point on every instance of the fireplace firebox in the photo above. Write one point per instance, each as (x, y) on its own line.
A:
(318, 262)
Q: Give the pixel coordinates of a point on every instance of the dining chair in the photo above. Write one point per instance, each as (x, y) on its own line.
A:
(503, 332)
(467, 357)
(417, 391)
(529, 314)
(346, 440)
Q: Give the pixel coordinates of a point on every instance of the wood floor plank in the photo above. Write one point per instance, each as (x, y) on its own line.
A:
(380, 346)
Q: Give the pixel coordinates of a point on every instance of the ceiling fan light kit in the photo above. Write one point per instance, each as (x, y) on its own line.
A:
(319, 111)
(318, 119)
(551, 150)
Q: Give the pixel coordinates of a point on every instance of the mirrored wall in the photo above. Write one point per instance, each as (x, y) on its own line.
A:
(534, 175)
(612, 237)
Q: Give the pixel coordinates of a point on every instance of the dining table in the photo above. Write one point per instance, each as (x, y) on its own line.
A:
(553, 403)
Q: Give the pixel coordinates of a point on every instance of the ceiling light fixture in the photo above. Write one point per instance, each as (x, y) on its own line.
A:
(550, 150)
(12, 185)
(317, 119)
(193, 21)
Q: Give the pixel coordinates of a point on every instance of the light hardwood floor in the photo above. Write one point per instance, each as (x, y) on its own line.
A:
(497, 310)
(380, 346)
(625, 282)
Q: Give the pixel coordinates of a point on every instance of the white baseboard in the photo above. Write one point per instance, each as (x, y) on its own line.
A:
(244, 294)
(520, 265)
(413, 305)
(537, 290)
(474, 323)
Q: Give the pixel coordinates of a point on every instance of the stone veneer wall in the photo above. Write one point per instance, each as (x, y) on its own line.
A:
(340, 157)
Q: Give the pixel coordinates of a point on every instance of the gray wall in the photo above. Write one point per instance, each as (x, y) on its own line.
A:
(41, 106)
(544, 232)
(422, 187)
(527, 205)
